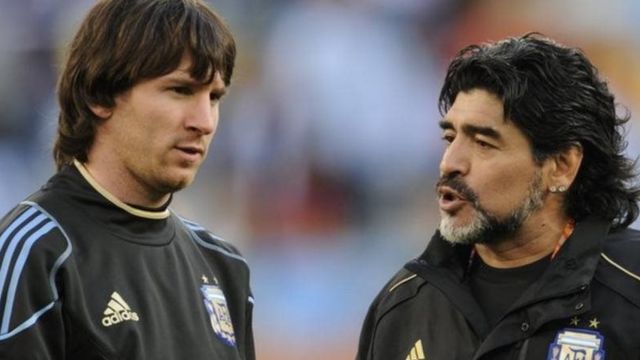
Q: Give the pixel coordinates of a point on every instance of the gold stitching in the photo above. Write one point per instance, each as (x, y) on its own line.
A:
(620, 267)
(402, 282)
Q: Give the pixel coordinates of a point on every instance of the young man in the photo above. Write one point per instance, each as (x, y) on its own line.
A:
(95, 265)
(533, 258)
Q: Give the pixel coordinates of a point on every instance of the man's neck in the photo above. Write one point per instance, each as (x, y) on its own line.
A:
(537, 238)
(113, 180)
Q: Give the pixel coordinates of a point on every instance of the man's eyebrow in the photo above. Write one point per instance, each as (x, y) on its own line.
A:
(471, 129)
(490, 132)
(184, 76)
(445, 125)
(179, 75)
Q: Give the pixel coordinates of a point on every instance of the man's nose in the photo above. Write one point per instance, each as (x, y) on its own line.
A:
(204, 116)
(455, 160)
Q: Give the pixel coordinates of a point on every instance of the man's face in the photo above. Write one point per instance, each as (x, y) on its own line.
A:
(489, 182)
(157, 135)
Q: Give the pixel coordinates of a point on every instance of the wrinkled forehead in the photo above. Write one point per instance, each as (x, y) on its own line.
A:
(476, 106)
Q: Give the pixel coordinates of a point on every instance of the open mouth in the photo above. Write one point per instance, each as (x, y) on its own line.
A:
(448, 194)
(450, 200)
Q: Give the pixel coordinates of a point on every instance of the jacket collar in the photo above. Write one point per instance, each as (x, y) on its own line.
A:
(576, 263)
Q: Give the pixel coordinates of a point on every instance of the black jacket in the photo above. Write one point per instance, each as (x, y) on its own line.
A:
(586, 302)
(83, 276)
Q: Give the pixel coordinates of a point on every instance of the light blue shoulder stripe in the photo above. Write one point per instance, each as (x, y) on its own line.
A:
(191, 224)
(197, 227)
(192, 227)
(20, 264)
(18, 267)
(63, 257)
(13, 244)
(17, 222)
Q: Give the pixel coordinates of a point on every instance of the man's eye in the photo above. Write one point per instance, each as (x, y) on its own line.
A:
(182, 90)
(448, 138)
(484, 144)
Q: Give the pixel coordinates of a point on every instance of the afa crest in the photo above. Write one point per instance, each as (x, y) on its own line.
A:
(216, 305)
(577, 344)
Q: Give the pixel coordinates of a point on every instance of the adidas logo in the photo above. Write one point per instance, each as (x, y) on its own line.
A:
(118, 311)
(416, 352)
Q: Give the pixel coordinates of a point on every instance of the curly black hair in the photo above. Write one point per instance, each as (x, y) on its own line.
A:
(556, 97)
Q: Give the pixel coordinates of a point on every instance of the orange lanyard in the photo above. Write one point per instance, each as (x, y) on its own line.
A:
(566, 232)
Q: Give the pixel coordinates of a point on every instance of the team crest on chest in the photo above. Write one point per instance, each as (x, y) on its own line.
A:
(216, 305)
(577, 344)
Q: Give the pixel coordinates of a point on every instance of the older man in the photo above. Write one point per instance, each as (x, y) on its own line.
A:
(533, 258)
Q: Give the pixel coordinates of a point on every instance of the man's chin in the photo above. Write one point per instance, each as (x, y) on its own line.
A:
(175, 183)
(459, 231)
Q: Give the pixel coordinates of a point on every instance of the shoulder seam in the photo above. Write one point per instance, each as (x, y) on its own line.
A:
(197, 227)
(620, 267)
(406, 279)
(192, 227)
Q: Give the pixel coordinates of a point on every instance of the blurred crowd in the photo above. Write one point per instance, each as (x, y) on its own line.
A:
(323, 168)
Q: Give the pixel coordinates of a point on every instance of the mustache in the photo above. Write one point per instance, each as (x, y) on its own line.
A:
(459, 186)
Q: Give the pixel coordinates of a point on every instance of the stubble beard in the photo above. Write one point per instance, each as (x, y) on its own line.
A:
(159, 183)
(169, 185)
(487, 228)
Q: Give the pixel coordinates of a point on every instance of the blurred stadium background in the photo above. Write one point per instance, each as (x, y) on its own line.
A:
(323, 168)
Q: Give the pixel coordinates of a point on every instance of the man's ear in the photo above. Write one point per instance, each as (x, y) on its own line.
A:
(102, 112)
(564, 168)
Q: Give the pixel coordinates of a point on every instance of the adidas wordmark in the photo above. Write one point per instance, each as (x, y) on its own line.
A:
(118, 311)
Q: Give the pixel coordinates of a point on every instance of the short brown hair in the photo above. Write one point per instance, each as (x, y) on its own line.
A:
(122, 42)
